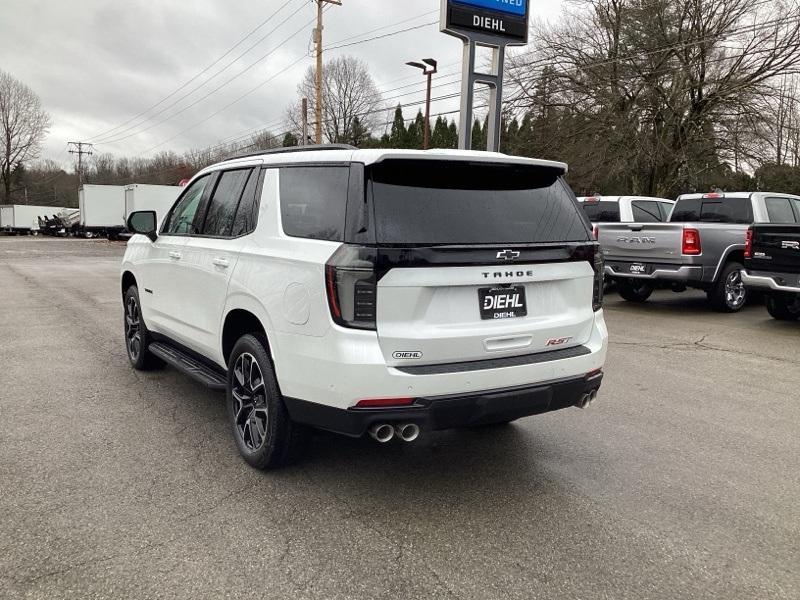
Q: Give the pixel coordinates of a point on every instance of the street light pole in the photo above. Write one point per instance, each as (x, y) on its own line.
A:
(428, 69)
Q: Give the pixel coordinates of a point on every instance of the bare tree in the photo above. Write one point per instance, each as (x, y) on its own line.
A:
(23, 126)
(351, 102)
(663, 93)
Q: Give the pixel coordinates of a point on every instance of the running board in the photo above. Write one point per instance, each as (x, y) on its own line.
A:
(192, 367)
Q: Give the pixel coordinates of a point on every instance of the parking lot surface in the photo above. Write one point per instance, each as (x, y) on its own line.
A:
(681, 481)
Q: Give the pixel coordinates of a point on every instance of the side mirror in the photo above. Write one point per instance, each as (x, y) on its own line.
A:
(144, 222)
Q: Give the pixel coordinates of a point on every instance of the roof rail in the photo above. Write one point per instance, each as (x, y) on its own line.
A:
(288, 149)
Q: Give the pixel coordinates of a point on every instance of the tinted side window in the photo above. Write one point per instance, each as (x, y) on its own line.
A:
(730, 210)
(222, 208)
(686, 210)
(780, 210)
(604, 211)
(645, 211)
(247, 213)
(314, 201)
(183, 214)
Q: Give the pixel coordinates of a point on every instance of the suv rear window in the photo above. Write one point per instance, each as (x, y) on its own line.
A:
(429, 202)
(713, 210)
(604, 211)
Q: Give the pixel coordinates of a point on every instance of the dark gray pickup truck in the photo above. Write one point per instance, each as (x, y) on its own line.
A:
(702, 246)
(772, 265)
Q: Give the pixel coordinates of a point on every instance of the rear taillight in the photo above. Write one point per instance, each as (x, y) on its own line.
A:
(691, 242)
(351, 286)
(596, 231)
(594, 256)
(748, 244)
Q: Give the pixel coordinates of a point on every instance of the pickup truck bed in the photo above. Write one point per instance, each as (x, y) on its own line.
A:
(772, 265)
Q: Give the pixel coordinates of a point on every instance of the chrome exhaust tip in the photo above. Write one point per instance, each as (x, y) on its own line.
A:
(587, 399)
(407, 432)
(381, 432)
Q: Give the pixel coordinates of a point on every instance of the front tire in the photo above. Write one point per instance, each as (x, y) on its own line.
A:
(137, 337)
(265, 435)
(729, 294)
(784, 307)
(634, 290)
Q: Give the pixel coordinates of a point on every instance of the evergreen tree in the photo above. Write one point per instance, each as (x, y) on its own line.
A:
(398, 138)
(452, 135)
(416, 131)
(289, 139)
(440, 134)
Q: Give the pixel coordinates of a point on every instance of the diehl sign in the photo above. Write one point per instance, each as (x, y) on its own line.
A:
(506, 20)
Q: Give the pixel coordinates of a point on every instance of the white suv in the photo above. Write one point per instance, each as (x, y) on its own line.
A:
(380, 291)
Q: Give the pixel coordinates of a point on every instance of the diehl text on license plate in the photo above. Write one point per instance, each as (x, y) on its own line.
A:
(638, 269)
(502, 302)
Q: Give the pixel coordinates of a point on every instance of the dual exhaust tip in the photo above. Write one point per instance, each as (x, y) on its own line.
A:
(587, 399)
(384, 432)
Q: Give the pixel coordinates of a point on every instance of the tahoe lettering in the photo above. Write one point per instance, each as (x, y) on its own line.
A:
(501, 274)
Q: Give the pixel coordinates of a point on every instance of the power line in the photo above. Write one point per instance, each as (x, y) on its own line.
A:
(379, 37)
(409, 19)
(114, 137)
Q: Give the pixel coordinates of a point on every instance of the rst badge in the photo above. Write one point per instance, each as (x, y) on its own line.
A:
(790, 245)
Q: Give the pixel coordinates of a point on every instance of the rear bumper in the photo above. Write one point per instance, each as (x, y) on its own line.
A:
(684, 273)
(775, 282)
(446, 412)
(348, 366)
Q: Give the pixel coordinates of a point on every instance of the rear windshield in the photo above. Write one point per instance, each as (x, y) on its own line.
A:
(437, 202)
(713, 210)
(604, 211)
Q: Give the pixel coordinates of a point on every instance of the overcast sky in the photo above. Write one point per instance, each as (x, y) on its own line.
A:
(98, 63)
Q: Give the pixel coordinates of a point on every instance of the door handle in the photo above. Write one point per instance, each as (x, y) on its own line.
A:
(175, 255)
(221, 262)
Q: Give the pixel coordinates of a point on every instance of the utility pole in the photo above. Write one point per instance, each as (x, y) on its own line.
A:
(304, 110)
(318, 82)
(428, 72)
(80, 148)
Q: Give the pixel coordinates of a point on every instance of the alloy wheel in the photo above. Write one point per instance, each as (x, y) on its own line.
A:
(734, 289)
(249, 397)
(133, 328)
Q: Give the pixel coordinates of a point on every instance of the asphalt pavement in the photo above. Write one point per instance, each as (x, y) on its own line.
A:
(681, 481)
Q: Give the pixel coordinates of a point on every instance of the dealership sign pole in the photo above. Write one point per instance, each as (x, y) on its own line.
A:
(493, 24)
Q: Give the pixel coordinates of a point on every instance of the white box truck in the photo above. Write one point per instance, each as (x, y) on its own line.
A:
(102, 210)
(24, 218)
(160, 198)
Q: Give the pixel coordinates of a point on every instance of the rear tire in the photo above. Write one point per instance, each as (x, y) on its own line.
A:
(634, 290)
(265, 435)
(137, 337)
(729, 294)
(783, 307)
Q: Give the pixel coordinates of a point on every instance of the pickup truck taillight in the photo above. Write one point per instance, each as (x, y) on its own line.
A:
(351, 286)
(691, 242)
(596, 231)
(748, 244)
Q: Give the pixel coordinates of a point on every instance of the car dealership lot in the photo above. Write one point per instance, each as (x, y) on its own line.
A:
(681, 480)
